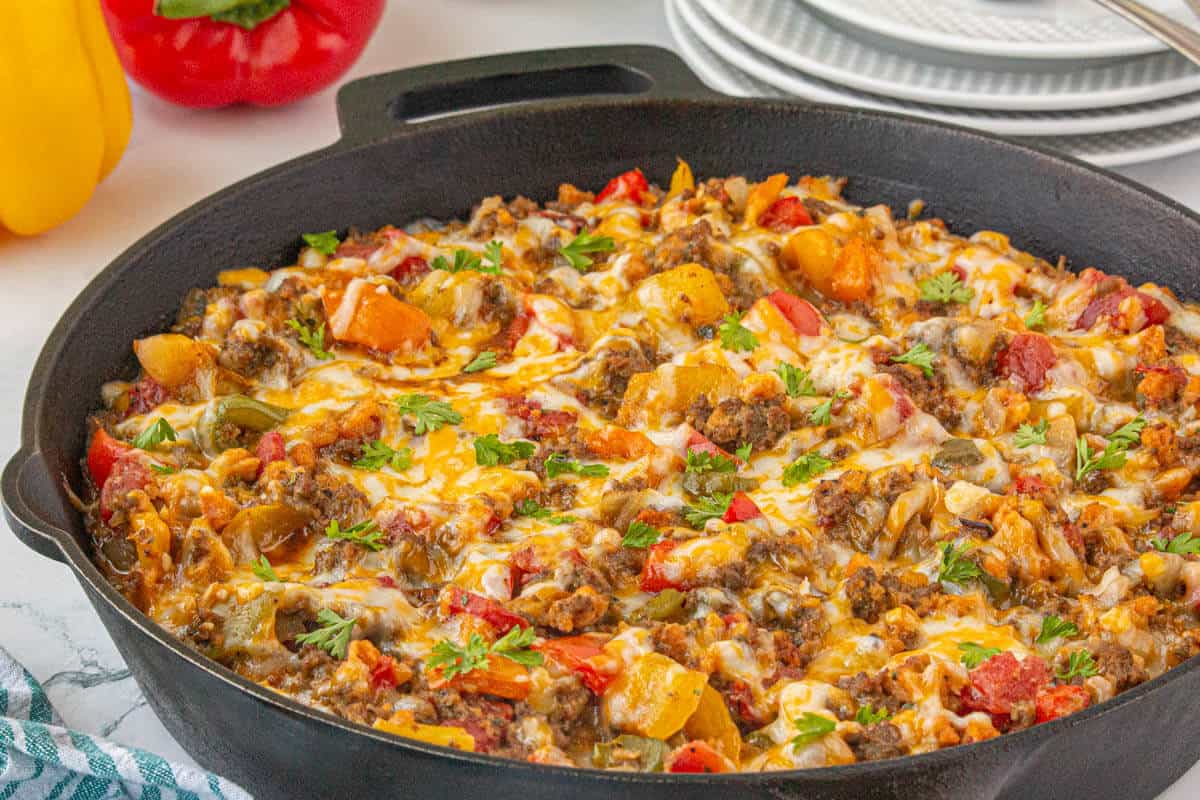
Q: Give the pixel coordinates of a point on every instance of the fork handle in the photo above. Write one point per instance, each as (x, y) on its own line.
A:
(1181, 38)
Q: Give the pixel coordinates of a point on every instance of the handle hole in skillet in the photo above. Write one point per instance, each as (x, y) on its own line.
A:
(498, 90)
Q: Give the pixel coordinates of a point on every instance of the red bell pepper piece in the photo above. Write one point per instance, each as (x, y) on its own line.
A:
(128, 472)
(741, 508)
(784, 214)
(1001, 681)
(1059, 701)
(1026, 360)
(801, 313)
(630, 186)
(383, 674)
(102, 454)
(486, 609)
(699, 443)
(585, 656)
(654, 578)
(262, 52)
(270, 448)
(696, 756)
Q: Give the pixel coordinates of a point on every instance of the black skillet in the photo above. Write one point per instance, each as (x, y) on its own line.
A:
(595, 112)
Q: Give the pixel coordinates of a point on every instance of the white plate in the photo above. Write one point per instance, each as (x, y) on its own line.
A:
(1105, 150)
(794, 35)
(1025, 29)
(1030, 123)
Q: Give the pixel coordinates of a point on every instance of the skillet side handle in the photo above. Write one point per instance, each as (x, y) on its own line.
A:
(375, 106)
(26, 477)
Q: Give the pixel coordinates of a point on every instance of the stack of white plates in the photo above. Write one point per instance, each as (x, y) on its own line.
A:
(1064, 73)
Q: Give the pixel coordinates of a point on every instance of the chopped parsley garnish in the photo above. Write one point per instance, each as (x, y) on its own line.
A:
(736, 336)
(515, 646)
(796, 380)
(491, 452)
(163, 469)
(945, 288)
(956, 568)
(456, 660)
(975, 654)
(712, 507)
(485, 360)
(161, 431)
(1028, 435)
(1036, 318)
(557, 464)
(1182, 545)
(312, 338)
(1113, 455)
(868, 715)
(365, 534)
(744, 451)
(1055, 627)
(430, 414)
(701, 461)
(493, 253)
(919, 355)
(640, 535)
(326, 242)
(805, 468)
(464, 261)
(378, 454)
(1079, 665)
(262, 569)
(576, 251)
(1130, 433)
(333, 636)
(823, 413)
(811, 727)
(530, 508)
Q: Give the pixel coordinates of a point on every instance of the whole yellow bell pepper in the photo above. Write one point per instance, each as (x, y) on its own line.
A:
(64, 111)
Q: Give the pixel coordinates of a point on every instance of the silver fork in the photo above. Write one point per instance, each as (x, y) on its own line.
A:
(1180, 37)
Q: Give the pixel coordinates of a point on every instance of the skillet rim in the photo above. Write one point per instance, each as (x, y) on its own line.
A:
(80, 563)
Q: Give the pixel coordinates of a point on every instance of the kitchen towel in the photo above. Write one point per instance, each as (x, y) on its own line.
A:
(41, 760)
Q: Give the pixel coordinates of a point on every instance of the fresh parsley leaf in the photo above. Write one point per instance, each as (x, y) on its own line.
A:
(975, 654)
(945, 288)
(805, 468)
(1182, 545)
(1036, 318)
(866, 715)
(1113, 456)
(700, 461)
(736, 336)
(796, 381)
(919, 355)
(745, 451)
(333, 636)
(326, 242)
(465, 260)
(1054, 627)
(161, 431)
(485, 360)
(712, 507)
(1130, 433)
(312, 338)
(493, 253)
(576, 251)
(530, 508)
(490, 451)
(811, 727)
(430, 414)
(823, 413)
(378, 454)
(1080, 664)
(640, 535)
(262, 569)
(366, 534)
(163, 469)
(515, 646)
(956, 568)
(557, 464)
(455, 660)
(1028, 435)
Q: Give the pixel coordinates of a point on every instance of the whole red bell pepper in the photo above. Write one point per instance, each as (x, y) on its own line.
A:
(210, 53)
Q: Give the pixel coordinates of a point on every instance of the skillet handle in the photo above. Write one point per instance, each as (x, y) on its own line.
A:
(25, 482)
(375, 106)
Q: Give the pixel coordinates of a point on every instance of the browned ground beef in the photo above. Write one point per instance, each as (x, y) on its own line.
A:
(735, 422)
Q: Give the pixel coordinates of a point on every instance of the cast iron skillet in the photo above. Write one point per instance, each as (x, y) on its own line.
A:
(628, 106)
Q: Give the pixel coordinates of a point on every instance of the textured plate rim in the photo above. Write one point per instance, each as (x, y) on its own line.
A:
(1013, 102)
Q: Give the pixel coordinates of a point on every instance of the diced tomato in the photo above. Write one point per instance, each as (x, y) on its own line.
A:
(409, 268)
(516, 329)
(801, 313)
(486, 609)
(741, 508)
(540, 423)
(1001, 681)
(383, 674)
(1059, 701)
(585, 656)
(1108, 305)
(740, 698)
(270, 448)
(146, 395)
(696, 756)
(102, 454)
(654, 578)
(1026, 360)
(524, 564)
(129, 472)
(1030, 485)
(784, 214)
(629, 185)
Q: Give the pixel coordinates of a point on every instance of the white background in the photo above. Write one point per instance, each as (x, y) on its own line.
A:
(176, 158)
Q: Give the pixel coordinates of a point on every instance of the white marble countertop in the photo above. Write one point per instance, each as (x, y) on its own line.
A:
(176, 158)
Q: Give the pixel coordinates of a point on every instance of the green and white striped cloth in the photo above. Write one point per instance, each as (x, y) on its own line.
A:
(41, 760)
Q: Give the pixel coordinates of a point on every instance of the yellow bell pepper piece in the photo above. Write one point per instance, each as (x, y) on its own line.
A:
(763, 195)
(682, 179)
(654, 696)
(403, 724)
(713, 723)
(64, 111)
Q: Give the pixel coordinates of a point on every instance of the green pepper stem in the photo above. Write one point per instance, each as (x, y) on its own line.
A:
(243, 13)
